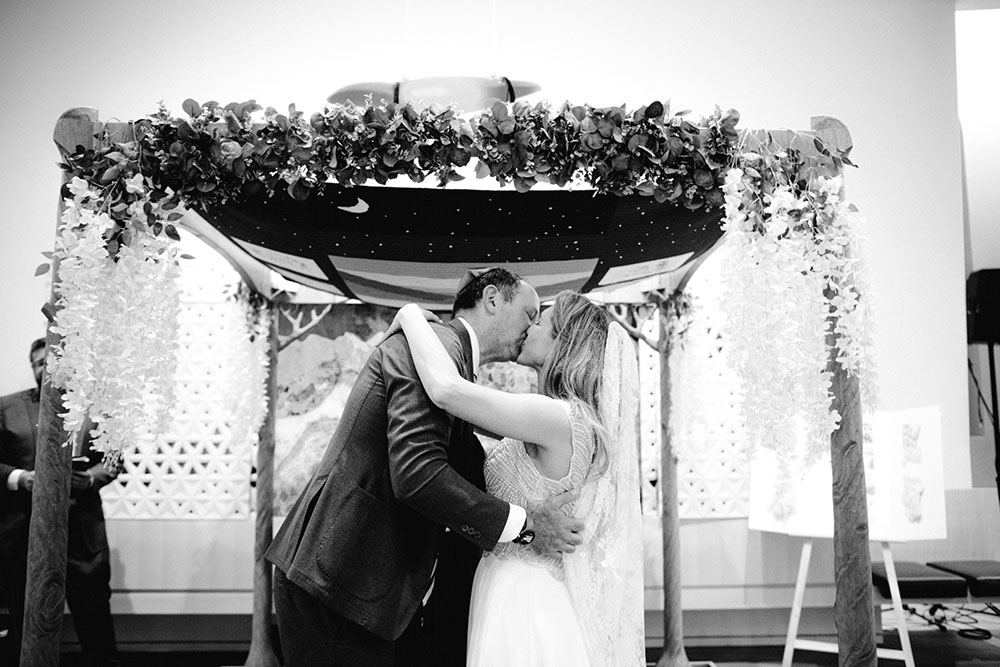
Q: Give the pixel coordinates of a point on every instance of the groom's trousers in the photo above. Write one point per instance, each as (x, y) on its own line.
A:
(313, 635)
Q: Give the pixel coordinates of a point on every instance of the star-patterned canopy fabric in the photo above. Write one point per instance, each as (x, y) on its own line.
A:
(393, 245)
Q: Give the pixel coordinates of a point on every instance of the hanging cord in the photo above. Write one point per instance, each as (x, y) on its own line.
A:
(511, 95)
(982, 404)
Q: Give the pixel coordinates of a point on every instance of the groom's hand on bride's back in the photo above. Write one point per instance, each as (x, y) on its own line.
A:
(555, 533)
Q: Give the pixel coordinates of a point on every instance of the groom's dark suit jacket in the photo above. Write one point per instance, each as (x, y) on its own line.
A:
(363, 535)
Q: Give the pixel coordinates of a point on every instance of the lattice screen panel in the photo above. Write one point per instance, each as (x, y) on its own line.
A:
(196, 470)
(706, 403)
(713, 473)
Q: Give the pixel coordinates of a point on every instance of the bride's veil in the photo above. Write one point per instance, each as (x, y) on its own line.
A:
(604, 574)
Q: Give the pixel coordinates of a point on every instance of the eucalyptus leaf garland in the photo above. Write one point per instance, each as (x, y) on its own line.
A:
(221, 153)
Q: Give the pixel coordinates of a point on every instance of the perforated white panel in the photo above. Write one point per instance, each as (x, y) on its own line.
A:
(706, 398)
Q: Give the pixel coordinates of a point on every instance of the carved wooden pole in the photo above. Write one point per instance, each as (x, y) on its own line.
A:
(261, 647)
(48, 533)
(853, 610)
(674, 654)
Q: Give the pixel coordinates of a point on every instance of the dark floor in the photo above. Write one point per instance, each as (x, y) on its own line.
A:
(948, 637)
(931, 649)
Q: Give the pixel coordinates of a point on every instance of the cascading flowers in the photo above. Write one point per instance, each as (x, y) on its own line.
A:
(796, 274)
(117, 318)
(245, 389)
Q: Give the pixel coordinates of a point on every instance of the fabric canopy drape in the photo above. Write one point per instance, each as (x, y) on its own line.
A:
(390, 245)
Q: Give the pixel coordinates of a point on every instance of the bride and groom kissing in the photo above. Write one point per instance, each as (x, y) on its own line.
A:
(411, 546)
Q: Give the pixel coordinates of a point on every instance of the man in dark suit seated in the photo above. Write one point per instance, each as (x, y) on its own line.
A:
(88, 568)
(374, 563)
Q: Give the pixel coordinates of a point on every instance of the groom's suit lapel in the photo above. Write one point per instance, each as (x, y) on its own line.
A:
(463, 336)
(465, 453)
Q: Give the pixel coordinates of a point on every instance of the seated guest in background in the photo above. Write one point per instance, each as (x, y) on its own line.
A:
(88, 569)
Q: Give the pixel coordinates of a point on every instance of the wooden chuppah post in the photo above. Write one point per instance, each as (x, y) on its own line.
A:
(854, 610)
(48, 532)
(261, 647)
(674, 654)
(853, 607)
(262, 653)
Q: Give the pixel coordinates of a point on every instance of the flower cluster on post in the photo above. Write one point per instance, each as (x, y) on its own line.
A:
(117, 319)
(795, 281)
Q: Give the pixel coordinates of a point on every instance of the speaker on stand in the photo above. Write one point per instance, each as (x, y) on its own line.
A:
(982, 300)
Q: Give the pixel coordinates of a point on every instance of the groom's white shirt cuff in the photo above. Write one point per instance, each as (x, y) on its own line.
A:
(13, 478)
(517, 515)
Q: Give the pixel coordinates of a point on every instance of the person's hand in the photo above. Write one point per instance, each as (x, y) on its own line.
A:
(81, 480)
(555, 533)
(396, 326)
(26, 481)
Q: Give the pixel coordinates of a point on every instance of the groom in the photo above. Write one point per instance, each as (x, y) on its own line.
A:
(374, 563)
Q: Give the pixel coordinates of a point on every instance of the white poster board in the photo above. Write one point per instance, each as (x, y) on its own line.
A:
(903, 475)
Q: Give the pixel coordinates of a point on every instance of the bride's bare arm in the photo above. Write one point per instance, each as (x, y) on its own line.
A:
(529, 417)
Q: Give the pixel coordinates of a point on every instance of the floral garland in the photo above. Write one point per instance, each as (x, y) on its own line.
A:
(125, 193)
(795, 275)
(115, 257)
(117, 321)
(220, 153)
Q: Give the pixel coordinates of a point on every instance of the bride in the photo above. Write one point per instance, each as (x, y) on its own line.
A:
(578, 437)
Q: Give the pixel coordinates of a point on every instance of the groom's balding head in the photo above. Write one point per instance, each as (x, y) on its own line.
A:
(500, 307)
(470, 291)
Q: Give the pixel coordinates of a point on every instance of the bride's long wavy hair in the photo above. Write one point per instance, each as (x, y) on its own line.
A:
(573, 366)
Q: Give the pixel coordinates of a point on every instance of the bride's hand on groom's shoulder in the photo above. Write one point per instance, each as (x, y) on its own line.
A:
(396, 325)
(555, 533)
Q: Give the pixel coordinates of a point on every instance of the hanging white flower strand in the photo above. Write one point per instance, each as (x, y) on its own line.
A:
(247, 363)
(118, 322)
(791, 250)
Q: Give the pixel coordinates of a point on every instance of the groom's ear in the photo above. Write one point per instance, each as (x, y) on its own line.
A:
(491, 299)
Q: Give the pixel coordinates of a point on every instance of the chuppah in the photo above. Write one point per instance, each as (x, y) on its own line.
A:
(124, 193)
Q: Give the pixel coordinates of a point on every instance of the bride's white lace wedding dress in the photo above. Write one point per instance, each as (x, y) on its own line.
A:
(586, 608)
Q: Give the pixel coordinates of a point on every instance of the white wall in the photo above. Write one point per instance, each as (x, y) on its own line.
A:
(978, 60)
(884, 67)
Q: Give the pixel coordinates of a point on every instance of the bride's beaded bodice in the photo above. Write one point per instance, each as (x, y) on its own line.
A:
(511, 475)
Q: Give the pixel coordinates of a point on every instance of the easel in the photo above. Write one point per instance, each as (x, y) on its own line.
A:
(792, 642)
